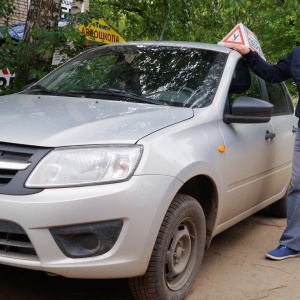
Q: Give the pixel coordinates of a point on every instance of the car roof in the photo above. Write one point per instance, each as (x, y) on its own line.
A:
(213, 47)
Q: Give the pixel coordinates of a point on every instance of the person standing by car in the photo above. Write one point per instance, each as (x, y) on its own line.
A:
(288, 67)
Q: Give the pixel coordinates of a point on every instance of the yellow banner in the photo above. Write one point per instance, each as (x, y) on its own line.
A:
(102, 32)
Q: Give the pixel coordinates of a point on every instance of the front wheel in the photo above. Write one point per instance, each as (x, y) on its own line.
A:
(177, 253)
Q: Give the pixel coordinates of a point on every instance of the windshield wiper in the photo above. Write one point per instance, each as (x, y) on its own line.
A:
(111, 92)
(39, 88)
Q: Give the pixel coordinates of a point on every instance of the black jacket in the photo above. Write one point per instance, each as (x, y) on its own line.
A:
(288, 67)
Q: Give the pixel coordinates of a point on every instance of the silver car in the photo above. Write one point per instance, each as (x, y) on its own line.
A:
(127, 160)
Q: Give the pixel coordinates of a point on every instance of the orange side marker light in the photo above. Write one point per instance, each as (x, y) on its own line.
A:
(222, 148)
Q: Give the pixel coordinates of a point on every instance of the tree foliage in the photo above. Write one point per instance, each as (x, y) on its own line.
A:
(145, 20)
(275, 22)
(33, 54)
(7, 9)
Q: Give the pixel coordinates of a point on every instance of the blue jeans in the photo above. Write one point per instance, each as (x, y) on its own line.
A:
(291, 235)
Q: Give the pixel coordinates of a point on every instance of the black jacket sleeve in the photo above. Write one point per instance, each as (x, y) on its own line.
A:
(295, 65)
(269, 72)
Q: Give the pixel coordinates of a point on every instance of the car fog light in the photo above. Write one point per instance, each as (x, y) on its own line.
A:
(87, 240)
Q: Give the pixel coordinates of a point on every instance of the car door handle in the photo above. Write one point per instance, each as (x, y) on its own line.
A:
(294, 129)
(269, 135)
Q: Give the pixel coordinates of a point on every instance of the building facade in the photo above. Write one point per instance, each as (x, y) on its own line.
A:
(22, 7)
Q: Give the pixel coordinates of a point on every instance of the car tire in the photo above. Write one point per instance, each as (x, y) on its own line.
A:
(177, 253)
(278, 209)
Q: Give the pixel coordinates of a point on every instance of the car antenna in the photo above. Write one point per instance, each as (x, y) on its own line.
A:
(160, 38)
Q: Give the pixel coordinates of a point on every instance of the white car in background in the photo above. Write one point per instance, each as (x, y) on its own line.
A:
(127, 160)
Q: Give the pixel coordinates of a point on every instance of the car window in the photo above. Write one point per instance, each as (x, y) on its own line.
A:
(279, 98)
(243, 83)
(178, 76)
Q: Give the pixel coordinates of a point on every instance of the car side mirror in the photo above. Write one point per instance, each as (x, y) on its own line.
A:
(32, 78)
(249, 110)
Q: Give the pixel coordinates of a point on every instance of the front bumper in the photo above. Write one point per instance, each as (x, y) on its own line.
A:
(139, 203)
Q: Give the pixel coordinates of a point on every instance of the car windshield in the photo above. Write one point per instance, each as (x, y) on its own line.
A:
(164, 75)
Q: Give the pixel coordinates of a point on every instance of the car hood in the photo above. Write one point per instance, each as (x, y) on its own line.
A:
(54, 121)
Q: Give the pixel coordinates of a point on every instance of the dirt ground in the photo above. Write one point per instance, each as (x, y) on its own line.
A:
(234, 268)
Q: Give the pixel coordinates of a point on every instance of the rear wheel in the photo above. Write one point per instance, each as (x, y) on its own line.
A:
(278, 209)
(177, 254)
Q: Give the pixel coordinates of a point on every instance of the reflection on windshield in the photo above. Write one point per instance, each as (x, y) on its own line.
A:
(178, 76)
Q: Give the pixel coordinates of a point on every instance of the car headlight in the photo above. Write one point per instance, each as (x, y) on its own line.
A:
(78, 166)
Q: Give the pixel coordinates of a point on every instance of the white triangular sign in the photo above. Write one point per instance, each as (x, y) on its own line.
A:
(235, 36)
(241, 35)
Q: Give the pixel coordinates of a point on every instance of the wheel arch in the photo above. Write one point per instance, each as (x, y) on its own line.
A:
(204, 190)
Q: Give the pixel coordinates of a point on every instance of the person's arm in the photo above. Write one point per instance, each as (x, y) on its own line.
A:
(295, 65)
(269, 72)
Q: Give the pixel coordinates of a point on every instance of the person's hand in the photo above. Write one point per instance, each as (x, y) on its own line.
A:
(239, 48)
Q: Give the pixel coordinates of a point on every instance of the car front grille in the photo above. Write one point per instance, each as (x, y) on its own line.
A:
(11, 163)
(6, 176)
(10, 156)
(16, 163)
(14, 242)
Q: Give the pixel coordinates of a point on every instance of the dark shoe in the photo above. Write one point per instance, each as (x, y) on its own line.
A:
(281, 252)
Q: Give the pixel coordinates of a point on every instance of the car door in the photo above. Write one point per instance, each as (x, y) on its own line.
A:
(248, 156)
(285, 126)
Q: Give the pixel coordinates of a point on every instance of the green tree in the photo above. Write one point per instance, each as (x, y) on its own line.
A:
(7, 9)
(145, 20)
(33, 54)
(275, 22)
